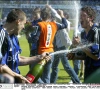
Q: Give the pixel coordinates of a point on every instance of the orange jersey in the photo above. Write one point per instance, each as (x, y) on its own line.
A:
(48, 30)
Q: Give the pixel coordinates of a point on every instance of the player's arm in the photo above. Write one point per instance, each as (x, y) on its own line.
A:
(92, 52)
(55, 13)
(64, 22)
(34, 59)
(6, 69)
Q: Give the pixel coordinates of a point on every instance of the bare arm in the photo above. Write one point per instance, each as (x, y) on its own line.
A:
(28, 60)
(88, 53)
(6, 69)
(73, 56)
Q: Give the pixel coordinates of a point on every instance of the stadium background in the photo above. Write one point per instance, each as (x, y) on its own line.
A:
(29, 5)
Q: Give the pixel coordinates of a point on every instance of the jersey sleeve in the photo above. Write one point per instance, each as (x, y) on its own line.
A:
(62, 25)
(3, 47)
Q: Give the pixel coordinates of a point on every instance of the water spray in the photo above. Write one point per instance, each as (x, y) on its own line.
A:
(71, 50)
(76, 19)
(47, 2)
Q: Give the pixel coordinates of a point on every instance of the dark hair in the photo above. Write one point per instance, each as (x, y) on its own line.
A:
(90, 12)
(14, 15)
(45, 14)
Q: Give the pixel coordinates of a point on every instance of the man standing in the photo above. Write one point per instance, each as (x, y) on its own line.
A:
(45, 34)
(90, 35)
(62, 41)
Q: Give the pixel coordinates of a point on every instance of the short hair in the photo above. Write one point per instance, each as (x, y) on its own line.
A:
(45, 13)
(90, 12)
(14, 15)
(37, 9)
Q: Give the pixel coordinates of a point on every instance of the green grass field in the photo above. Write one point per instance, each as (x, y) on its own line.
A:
(63, 76)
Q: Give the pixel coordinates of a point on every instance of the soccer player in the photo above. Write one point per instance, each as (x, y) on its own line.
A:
(90, 34)
(10, 48)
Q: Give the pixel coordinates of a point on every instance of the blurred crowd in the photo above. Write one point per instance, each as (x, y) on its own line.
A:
(93, 3)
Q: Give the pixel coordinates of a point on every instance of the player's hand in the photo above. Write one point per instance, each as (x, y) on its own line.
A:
(76, 40)
(48, 6)
(46, 56)
(61, 13)
(70, 56)
(21, 79)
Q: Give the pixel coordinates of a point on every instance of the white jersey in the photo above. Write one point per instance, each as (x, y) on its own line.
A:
(68, 27)
(62, 39)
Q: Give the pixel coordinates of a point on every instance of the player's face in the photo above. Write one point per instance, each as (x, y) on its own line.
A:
(84, 19)
(20, 26)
